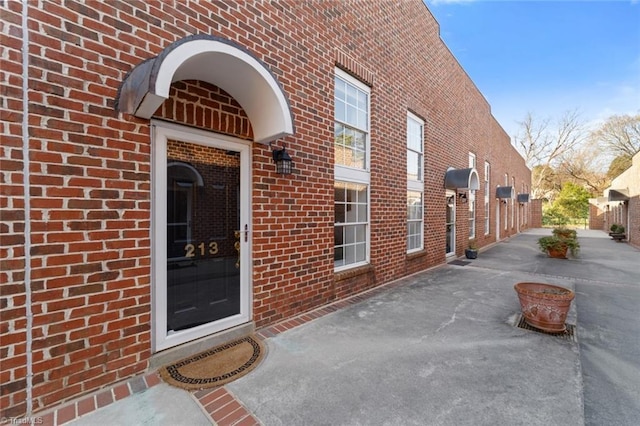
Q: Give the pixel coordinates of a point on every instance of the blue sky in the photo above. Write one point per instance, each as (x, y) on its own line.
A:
(547, 57)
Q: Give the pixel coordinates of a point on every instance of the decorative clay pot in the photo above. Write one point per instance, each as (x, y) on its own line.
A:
(545, 306)
(558, 253)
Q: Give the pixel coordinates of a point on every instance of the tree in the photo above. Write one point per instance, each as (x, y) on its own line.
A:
(585, 166)
(618, 165)
(545, 143)
(620, 135)
(573, 201)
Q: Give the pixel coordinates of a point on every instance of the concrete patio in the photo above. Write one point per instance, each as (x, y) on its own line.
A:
(441, 348)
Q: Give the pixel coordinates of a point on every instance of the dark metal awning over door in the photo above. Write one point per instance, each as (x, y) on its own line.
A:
(505, 192)
(462, 179)
(618, 195)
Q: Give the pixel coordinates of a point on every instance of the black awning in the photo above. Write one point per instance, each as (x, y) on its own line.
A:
(505, 192)
(618, 195)
(523, 198)
(462, 179)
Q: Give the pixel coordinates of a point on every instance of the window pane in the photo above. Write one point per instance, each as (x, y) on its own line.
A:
(362, 213)
(414, 135)
(349, 254)
(361, 252)
(338, 256)
(338, 235)
(350, 235)
(414, 171)
(414, 205)
(340, 110)
(362, 119)
(340, 214)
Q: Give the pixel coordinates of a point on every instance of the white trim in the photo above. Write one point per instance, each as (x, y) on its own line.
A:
(453, 223)
(349, 174)
(161, 133)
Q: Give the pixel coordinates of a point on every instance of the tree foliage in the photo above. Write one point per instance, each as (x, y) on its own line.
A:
(620, 135)
(544, 143)
(618, 165)
(564, 150)
(573, 201)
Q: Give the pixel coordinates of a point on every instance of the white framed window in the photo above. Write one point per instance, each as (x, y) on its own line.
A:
(487, 174)
(415, 183)
(471, 200)
(352, 173)
(526, 207)
(472, 160)
(513, 204)
(506, 206)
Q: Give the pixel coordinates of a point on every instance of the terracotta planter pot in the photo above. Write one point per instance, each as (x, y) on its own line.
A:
(545, 306)
(558, 253)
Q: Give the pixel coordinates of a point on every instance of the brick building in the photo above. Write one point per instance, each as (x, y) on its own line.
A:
(620, 204)
(142, 213)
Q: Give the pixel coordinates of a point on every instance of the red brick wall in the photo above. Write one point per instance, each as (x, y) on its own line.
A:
(596, 218)
(89, 168)
(536, 213)
(633, 230)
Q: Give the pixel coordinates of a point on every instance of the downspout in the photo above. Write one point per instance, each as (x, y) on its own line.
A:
(27, 205)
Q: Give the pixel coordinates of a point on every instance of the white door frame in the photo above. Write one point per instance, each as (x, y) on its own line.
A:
(498, 202)
(161, 132)
(453, 228)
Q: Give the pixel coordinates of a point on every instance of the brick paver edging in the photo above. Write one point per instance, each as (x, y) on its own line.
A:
(72, 410)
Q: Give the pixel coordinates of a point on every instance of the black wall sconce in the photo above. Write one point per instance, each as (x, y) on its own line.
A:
(463, 197)
(282, 160)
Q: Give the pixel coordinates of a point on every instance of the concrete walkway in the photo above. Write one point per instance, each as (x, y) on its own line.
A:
(441, 348)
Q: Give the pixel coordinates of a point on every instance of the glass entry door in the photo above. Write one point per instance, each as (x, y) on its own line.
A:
(201, 241)
(203, 233)
(451, 224)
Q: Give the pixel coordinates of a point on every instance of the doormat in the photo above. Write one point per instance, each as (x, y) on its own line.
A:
(216, 366)
(459, 262)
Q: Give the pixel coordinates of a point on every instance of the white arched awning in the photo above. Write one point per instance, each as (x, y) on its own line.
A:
(217, 61)
(462, 179)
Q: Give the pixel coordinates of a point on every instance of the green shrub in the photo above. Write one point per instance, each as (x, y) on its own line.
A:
(564, 232)
(556, 243)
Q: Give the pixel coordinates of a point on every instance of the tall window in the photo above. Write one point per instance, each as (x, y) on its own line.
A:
(487, 173)
(352, 177)
(526, 207)
(513, 204)
(471, 199)
(506, 206)
(415, 183)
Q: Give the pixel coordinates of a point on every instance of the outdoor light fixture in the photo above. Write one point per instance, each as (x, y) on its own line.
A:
(282, 160)
(463, 197)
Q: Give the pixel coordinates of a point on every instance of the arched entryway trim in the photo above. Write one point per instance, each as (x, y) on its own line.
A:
(217, 61)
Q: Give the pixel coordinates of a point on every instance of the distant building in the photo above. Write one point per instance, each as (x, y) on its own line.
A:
(146, 200)
(620, 204)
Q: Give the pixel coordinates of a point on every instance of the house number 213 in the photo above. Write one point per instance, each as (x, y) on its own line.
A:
(191, 249)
